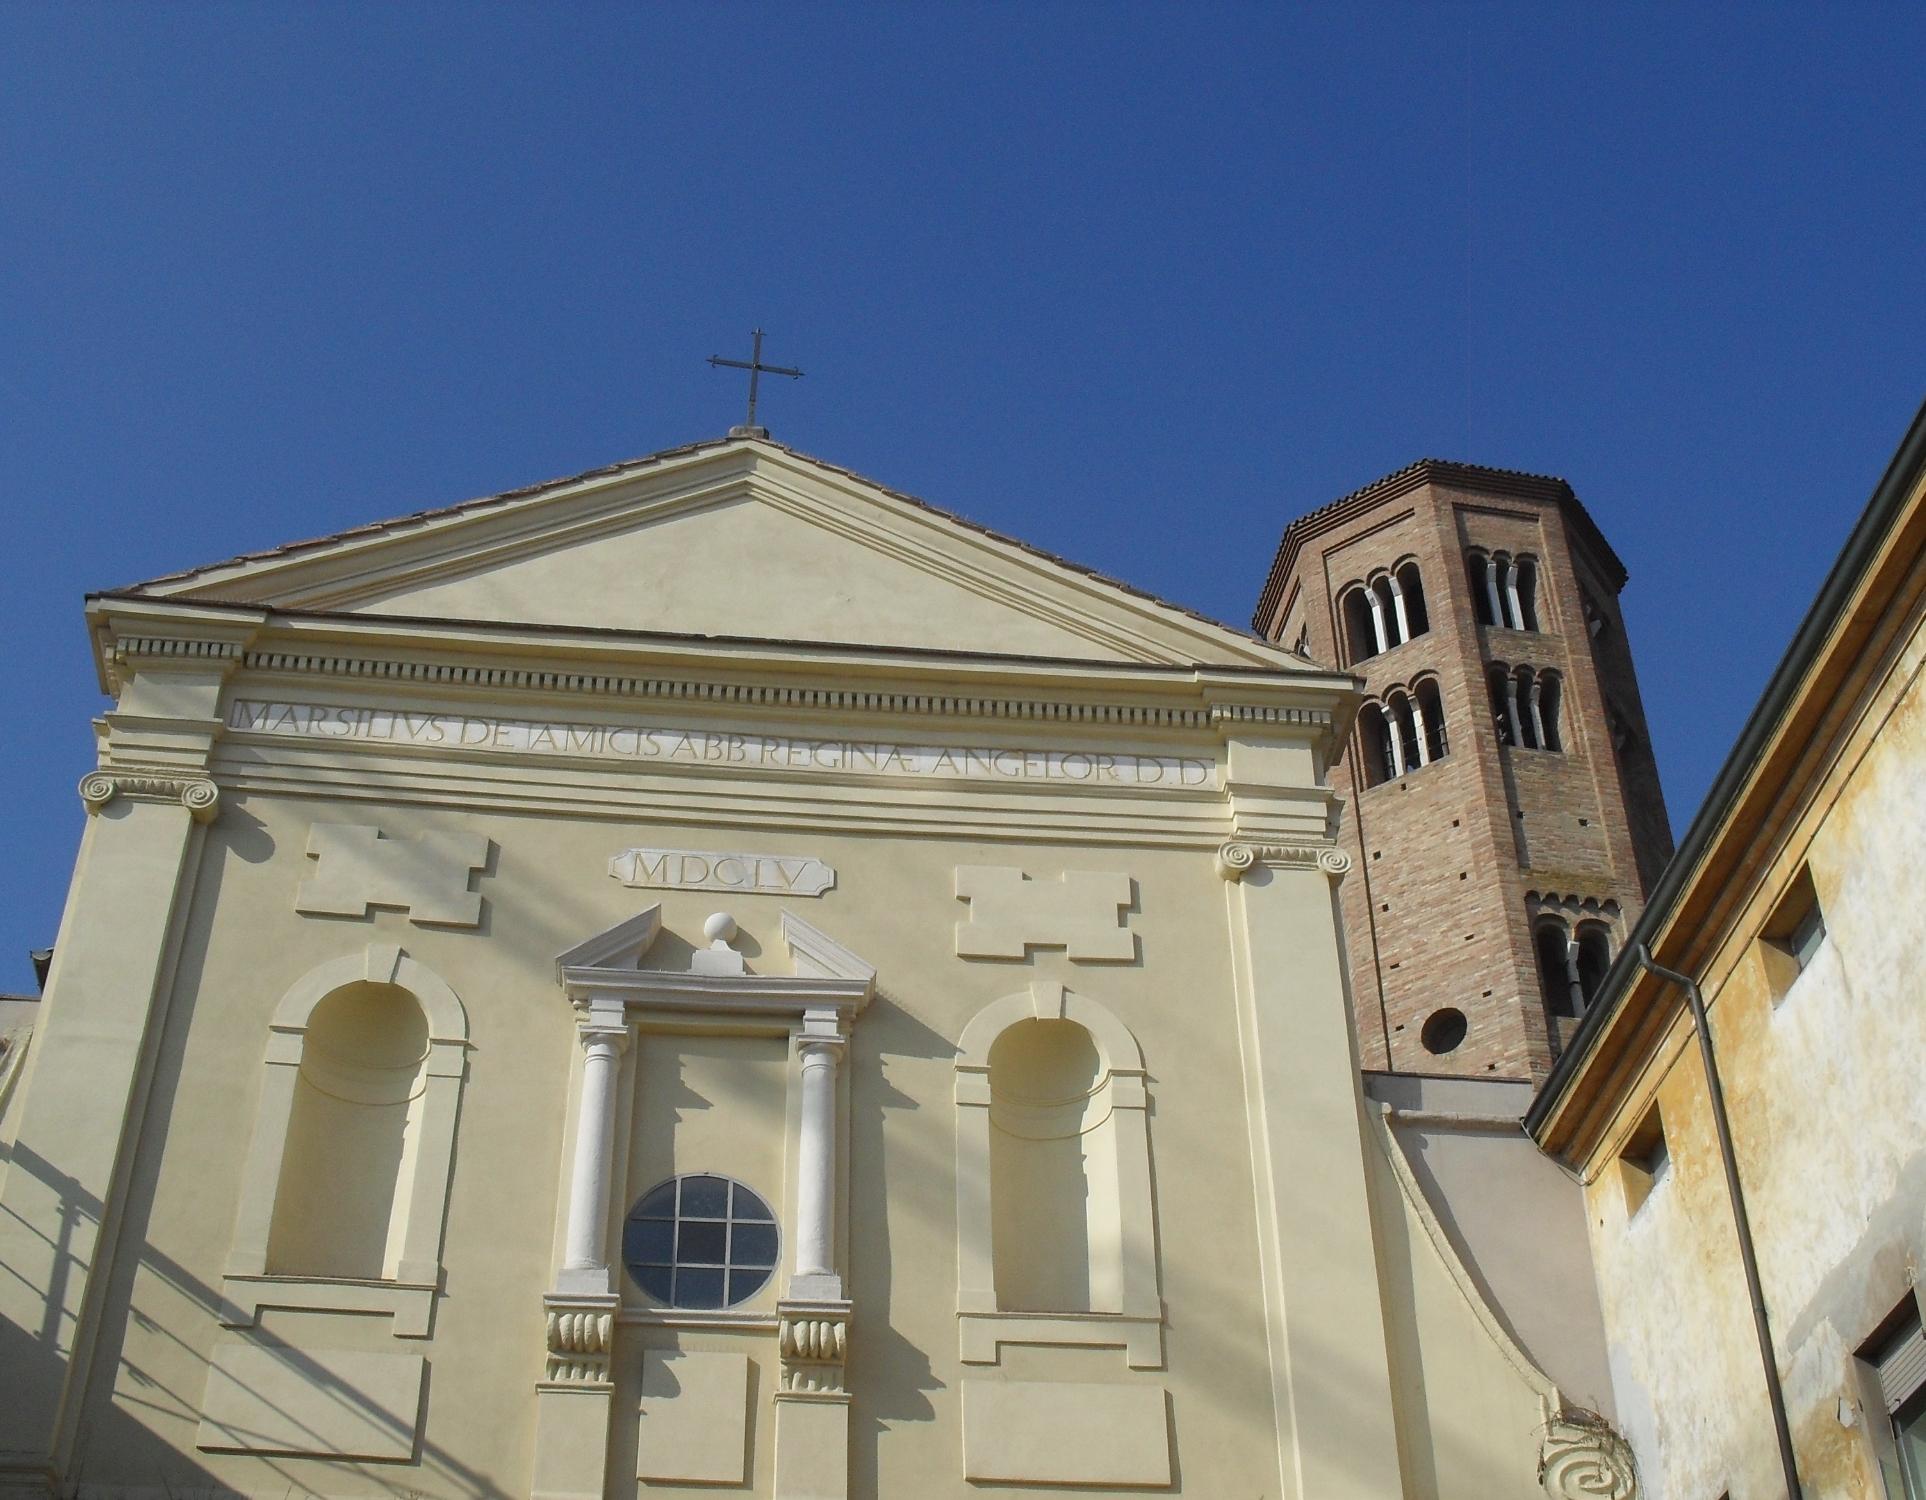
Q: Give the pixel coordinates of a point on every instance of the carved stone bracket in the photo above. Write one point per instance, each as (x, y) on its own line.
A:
(581, 1331)
(813, 1339)
(1584, 1459)
(1238, 858)
(200, 796)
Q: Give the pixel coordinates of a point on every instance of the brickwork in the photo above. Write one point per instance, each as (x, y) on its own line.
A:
(1453, 858)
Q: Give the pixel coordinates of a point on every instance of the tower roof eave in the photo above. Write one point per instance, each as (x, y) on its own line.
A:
(1414, 476)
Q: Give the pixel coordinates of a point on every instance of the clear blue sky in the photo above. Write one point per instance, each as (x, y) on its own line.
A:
(1136, 283)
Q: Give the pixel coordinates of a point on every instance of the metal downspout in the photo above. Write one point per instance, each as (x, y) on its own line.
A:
(1715, 1091)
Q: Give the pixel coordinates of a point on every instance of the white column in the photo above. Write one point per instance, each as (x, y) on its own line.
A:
(1537, 718)
(1511, 594)
(1397, 609)
(1377, 617)
(815, 1265)
(1491, 590)
(1395, 728)
(1572, 979)
(1417, 725)
(1511, 709)
(584, 1262)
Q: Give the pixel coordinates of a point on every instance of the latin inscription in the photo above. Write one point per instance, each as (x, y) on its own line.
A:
(706, 870)
(756, 752)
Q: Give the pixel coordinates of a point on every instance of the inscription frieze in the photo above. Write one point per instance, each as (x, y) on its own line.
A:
(713, 750)
(709, 870)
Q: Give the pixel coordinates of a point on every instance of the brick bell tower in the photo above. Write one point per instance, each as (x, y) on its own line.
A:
(1505, 816)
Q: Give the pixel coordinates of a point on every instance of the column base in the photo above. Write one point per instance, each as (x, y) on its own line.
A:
(826, 1287)
(583, 1281)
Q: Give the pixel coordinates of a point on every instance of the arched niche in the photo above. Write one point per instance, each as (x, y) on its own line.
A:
(341, 1204)
(345, 1188)
(1056, 1231)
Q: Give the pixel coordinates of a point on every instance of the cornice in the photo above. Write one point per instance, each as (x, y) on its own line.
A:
(578, 659)
(655, 989)
(131, 635)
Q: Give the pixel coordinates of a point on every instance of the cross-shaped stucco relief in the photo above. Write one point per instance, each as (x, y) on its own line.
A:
(1082, 912)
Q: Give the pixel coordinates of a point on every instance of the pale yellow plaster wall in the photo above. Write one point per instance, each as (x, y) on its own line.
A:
(1278, 1374)
(738, 568)
(894, 905)
(1824, 1095)
(740, 539)
(1469, 1399)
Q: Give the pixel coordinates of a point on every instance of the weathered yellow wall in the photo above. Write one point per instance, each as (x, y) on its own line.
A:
(1824, 1095)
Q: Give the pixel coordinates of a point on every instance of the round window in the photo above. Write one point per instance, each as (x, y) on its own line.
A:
(1443, 1031)
(700, 1241)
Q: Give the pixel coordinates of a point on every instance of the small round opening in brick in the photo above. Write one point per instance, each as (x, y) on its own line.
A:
(1444, 1030)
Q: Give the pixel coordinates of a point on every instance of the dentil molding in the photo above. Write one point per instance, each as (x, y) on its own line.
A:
(782, 696)
(200, 796)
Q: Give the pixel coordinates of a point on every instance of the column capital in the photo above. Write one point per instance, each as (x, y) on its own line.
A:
(592, 1032)
(822, 1030)
(1239, 857)
(820, 1048)
(199, 795)
(603, 1021)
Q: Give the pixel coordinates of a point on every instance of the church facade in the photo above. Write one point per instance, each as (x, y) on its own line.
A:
(714, 977)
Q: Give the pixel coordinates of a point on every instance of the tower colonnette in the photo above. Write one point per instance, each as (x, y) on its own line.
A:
(1505, 812)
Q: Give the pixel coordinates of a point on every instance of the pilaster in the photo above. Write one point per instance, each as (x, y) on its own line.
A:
(1330, 1369)
(812, 1406)
(106, 1004)
(575, 1400)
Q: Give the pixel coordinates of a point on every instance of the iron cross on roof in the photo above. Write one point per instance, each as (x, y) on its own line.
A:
(757, 369)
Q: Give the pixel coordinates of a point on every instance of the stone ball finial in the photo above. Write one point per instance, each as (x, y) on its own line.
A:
(720, 928)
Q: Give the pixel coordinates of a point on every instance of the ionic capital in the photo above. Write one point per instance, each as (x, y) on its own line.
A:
(200, 796)
(1238, 858)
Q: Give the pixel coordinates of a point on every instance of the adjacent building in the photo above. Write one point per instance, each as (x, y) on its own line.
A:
(1794, 905)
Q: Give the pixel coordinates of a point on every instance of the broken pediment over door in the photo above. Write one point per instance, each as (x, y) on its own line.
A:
(706, 1195)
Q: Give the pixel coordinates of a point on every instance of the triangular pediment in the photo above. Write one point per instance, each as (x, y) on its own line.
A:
(742, 539)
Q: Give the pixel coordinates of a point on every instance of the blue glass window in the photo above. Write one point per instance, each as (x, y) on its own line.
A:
(700, 1241)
